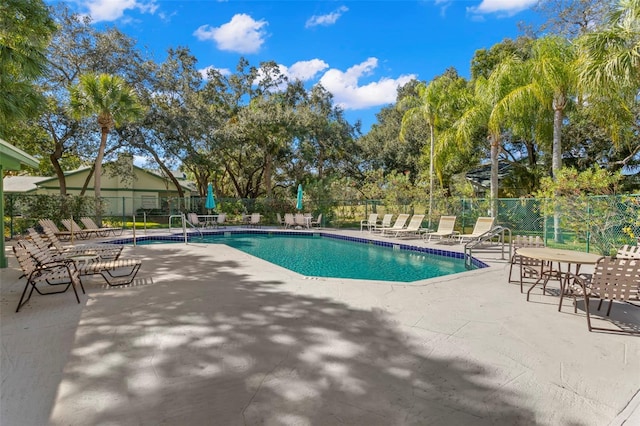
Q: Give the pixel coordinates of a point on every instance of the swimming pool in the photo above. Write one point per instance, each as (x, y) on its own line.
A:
(327, 255)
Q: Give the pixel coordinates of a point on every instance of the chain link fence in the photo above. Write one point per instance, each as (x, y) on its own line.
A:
(597, 224)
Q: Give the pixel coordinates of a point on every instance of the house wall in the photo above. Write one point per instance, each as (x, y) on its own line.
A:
(124, 195)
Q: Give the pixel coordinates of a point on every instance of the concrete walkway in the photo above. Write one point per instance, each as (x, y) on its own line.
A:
(208, 335)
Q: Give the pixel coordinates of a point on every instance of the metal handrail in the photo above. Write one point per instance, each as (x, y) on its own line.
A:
(496, 231)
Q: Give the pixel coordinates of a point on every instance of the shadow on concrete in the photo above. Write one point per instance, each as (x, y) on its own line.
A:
(205, 344)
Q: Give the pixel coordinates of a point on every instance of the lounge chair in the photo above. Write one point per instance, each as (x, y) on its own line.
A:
(385, 224)
(54, 273)
(48, 224)
(318, 222)
(414, 227)
(401, 220)
(72, 226)
(445, 228)
(280, 220)
(612, 279)
(103, 251)
(482, 226)
(115, 272)
(369, 223)
(103, 231)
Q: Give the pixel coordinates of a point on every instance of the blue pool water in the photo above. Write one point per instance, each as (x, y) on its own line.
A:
(314, 255)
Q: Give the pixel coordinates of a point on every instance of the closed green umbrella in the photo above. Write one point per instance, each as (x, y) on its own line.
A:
(211, 202)
(300, 193)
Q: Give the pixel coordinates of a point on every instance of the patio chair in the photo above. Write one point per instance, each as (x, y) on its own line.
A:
(318, 222)
(613, 279)
(628, 252)
(414, 227)
(280, 220)
(193, 219)
(385, 224)
(369, 223)
(222, 217)
(482, 226)
(289, 220)
(103, 251)
(48, 224)
(254, 221)
(300, 220)
(401, 220)
(61, 273)
(103, 231)
(72, 226)
(529, 268)
(445, 228)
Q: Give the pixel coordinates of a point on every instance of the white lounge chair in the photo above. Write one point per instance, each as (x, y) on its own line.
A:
(369, 223)
(414, 227)
(72, 226)
(445, 228)
(401, 220)
(103, 231)
(385, 224)
(482, 226)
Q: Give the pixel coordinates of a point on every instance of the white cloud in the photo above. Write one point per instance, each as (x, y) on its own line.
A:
(504, 7)
(305, 70)
(224, 71)
(326, 20)
(111, 10)
(349, 95)
(242, 34)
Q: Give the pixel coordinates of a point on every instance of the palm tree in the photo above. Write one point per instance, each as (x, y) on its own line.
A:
(114, 103)
(434, 105)
(609, 68)
(551, 82)
(24, 36)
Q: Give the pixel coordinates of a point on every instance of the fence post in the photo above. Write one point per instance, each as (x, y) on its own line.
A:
(588, 225)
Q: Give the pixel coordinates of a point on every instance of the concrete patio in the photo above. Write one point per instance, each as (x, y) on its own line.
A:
(208, 335)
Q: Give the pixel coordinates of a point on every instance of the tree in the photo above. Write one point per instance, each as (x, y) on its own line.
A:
(25, 32)
(435, 104)
(609, 75)
(112, 101)
(571, 18)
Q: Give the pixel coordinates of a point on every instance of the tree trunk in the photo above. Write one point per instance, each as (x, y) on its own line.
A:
(431, 167)
(87, 180)
(57, 153)
(493, 141)
(98, 174)
(556, 161)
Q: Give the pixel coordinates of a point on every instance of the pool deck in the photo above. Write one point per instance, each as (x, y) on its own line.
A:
(211, 335)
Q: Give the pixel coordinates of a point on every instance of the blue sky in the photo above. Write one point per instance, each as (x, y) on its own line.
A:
(361, 51)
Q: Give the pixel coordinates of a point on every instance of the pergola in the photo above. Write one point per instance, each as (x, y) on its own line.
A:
(11, 158)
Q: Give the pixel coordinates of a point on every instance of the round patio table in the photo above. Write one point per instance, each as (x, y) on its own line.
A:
(551, 255)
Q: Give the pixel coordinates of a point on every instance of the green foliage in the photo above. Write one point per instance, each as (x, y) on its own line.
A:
(25, 31)
(592, 219)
